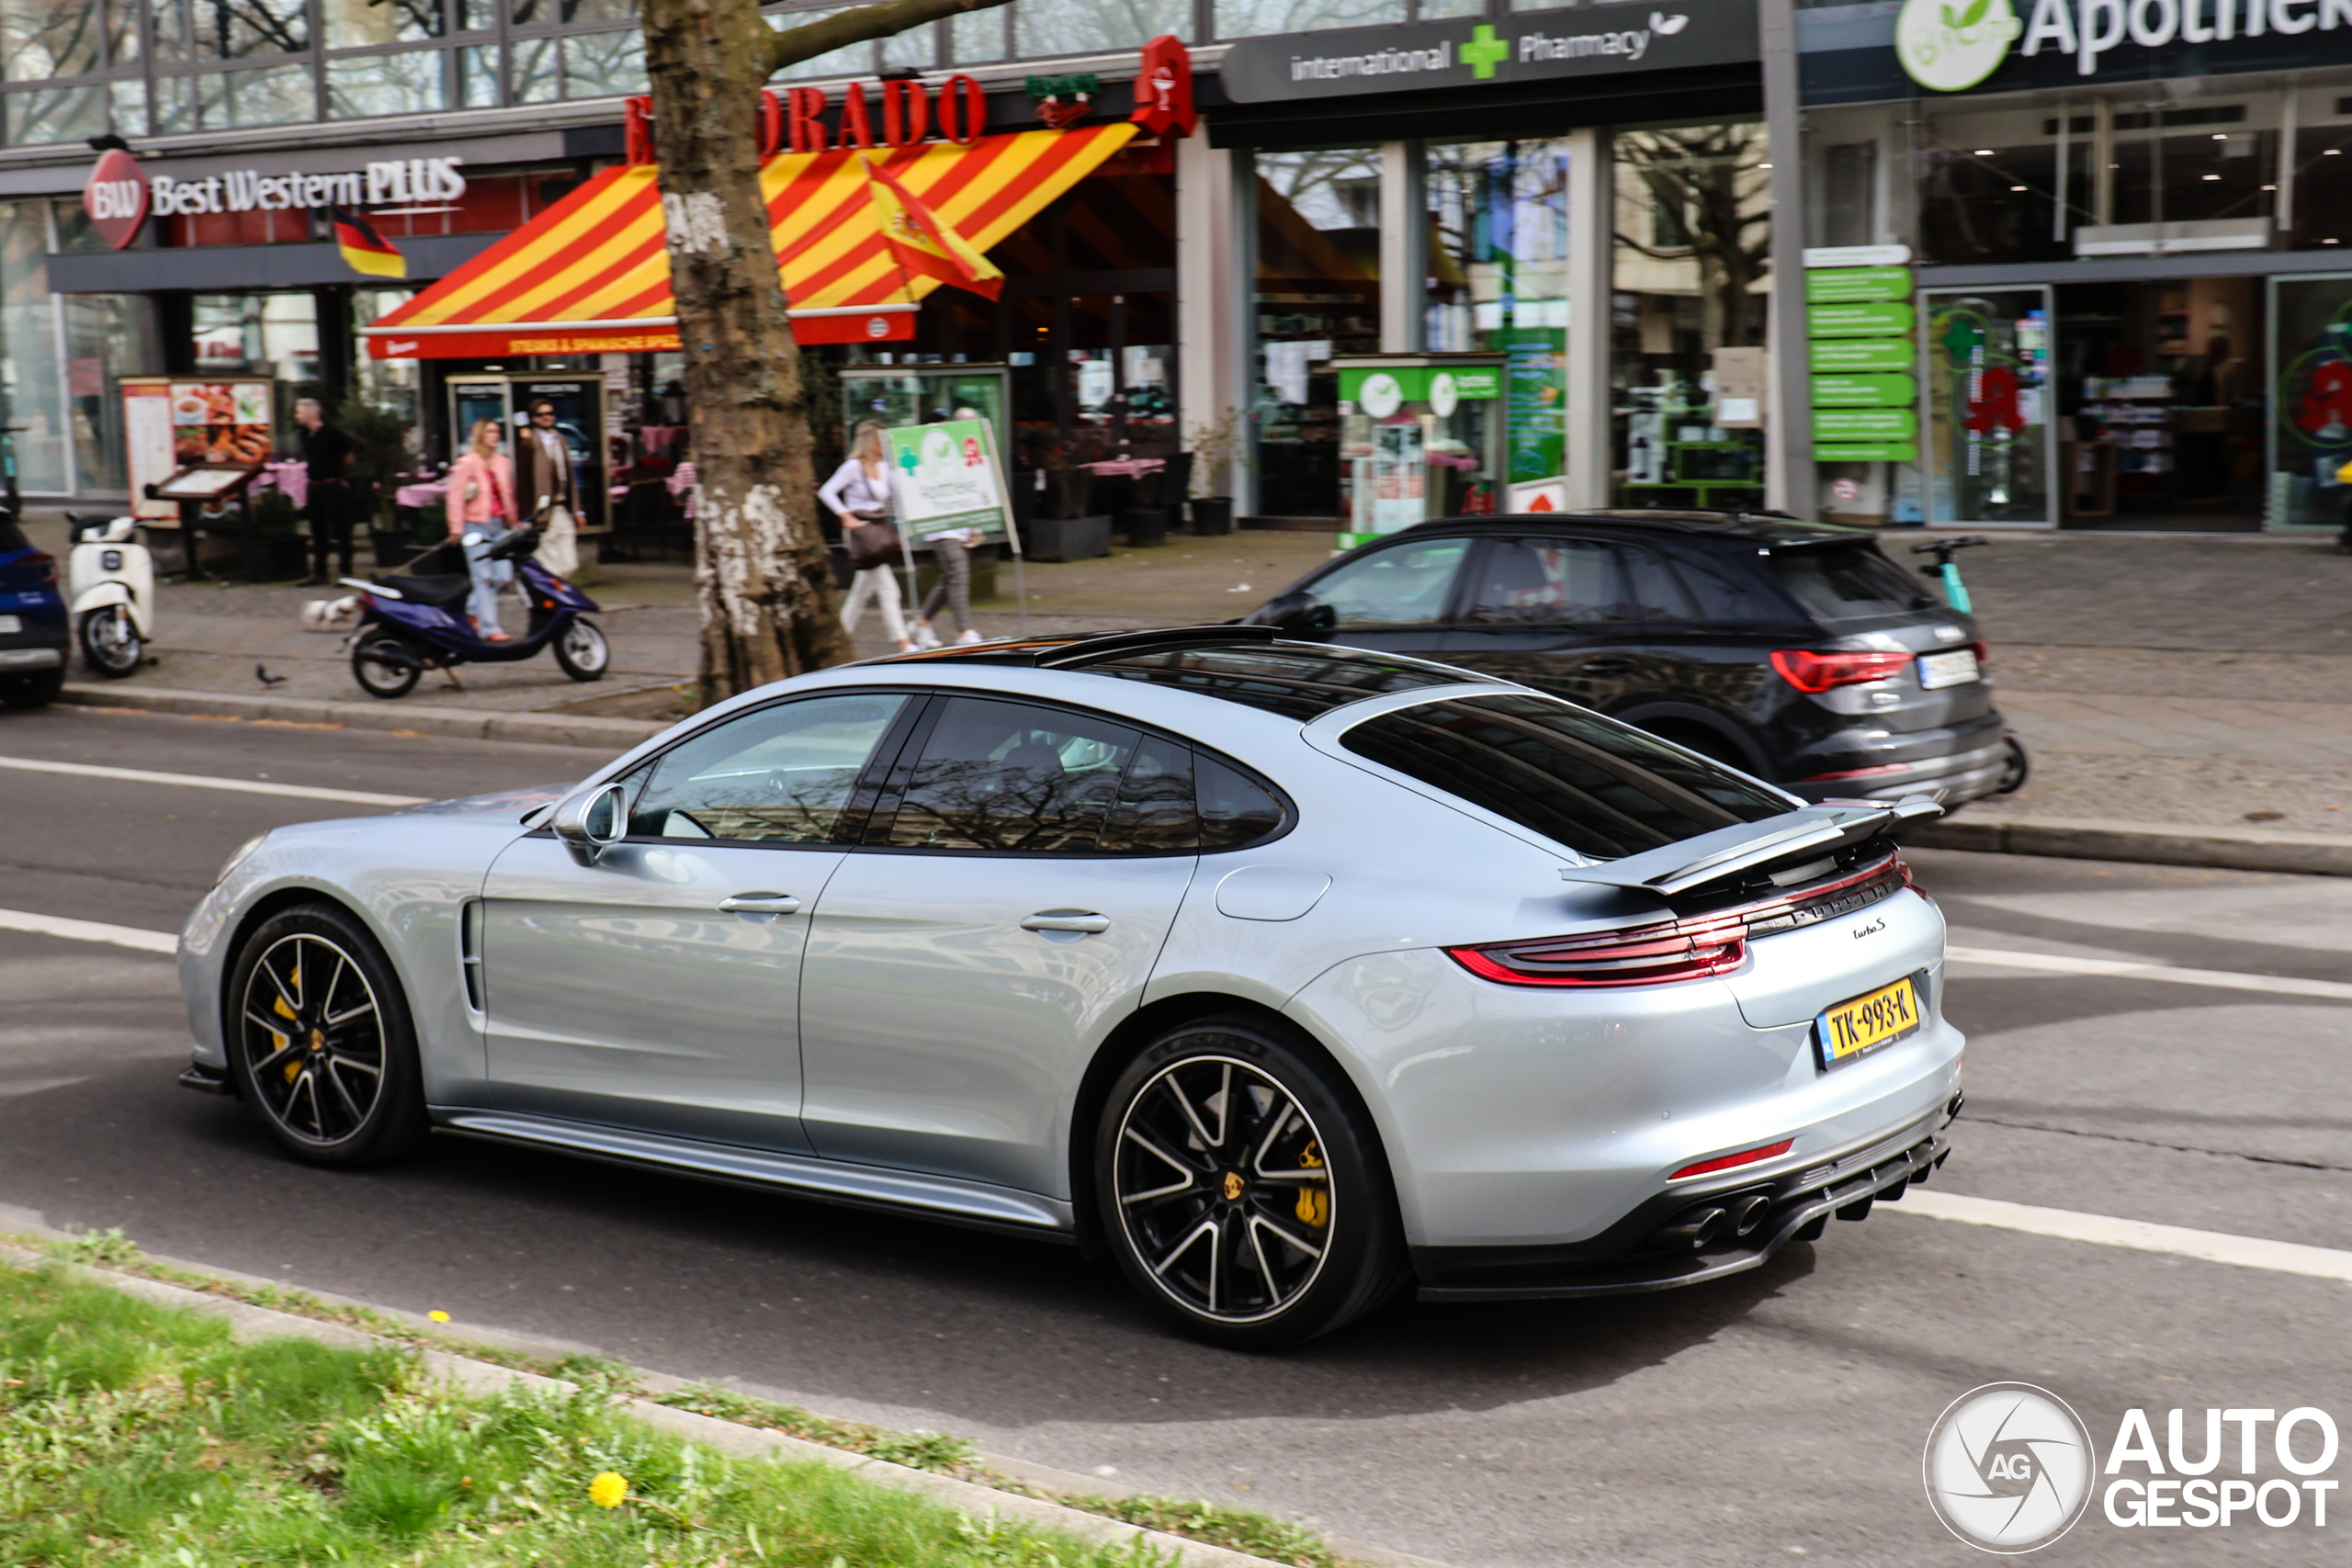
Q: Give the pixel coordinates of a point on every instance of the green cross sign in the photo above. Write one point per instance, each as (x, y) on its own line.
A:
(1485, 52)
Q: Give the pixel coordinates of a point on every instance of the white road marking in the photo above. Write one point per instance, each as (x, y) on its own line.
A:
(2210, 1246)
(202, 781)
(89, 931)
(2219, 979)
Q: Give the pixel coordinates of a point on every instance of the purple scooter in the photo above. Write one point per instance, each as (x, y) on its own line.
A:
(410, 625)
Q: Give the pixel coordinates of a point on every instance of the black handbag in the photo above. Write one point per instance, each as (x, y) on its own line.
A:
(873, 543)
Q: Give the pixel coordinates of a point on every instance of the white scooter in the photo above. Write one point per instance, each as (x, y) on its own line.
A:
(110, 587)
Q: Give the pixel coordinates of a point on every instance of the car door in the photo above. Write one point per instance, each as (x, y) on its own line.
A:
(1396, 598)
(1548, 611)
(966, 961)
(659, 988)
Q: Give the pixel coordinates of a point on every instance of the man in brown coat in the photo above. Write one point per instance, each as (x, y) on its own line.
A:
(547, 490)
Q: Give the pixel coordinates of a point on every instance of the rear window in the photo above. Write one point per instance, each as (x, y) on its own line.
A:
(1848, 583)
(1295, 681)
(1599, 788)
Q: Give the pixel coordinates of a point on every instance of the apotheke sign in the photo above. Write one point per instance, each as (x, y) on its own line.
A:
(1594, 40)
(1949, 46)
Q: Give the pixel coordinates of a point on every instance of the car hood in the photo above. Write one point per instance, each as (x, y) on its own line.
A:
(508, 803)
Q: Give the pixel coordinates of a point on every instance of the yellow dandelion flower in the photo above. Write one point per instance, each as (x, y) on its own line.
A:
(608, 1490)
(437, 1315)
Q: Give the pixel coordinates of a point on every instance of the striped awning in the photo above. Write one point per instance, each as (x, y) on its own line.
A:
(591, 273)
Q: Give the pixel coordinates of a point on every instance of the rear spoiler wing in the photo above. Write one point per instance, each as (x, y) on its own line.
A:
(1731, 853)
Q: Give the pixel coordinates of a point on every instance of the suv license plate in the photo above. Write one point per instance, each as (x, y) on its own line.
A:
(1853, 1030)
(10, 626)
(1957, 667)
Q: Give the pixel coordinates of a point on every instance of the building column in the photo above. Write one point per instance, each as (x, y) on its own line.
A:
(1592, 224)
(1789, 483)
(1404, 248)
(1216, 222)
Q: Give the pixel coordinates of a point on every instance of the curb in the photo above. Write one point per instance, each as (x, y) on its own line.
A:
(248, 1322)
(2153, 843)
(473, 724)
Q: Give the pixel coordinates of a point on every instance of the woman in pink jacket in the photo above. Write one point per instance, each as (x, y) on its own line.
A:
(482, 509)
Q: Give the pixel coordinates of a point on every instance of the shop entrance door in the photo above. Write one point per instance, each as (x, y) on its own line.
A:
(1990, 448)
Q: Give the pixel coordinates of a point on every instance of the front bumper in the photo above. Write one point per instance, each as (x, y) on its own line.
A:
(1631, 1256)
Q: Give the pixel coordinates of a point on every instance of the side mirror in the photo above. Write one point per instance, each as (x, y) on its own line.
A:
(1302, 616)
(591, 824)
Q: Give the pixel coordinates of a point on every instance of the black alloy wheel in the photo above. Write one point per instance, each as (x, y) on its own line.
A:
(385, 666)
(110, 644)
(581, 648)
(320, 1041)
(1242, 1191)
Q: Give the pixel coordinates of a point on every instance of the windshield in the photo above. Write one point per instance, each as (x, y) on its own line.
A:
(1603, 789)
(1848, 583)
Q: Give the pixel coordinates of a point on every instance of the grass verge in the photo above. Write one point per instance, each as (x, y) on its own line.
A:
(141, 1435)
(1238, 1530)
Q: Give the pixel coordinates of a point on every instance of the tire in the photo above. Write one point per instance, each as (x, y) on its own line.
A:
(35, 691)
(329, 1065)
(1215, 1218)
(110, 644)
(583, 651)
(2017, 772)
(381, 678)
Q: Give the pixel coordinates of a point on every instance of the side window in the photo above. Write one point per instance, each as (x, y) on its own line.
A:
(997, 775)
(1651, 591)
(1154, 811)
(1404, 585)
(1727, 595)
(1234, 811)
(1546, 582)
(778, 775)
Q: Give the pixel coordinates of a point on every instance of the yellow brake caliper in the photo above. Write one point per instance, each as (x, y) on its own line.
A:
(277, 1042)
(1314, 1202)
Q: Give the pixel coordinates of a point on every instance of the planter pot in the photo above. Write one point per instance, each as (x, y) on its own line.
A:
(1068, 538)
(1144, 526)
(1213, 514)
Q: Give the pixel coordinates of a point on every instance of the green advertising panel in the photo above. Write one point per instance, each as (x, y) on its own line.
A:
(1836, 354)
(1892, 319)
(948, 478)
(1411, 384)
(1864, 391)
(1864, 424)
(1867, 452)
(1482, 383)
(1537, 377)
(1843, 285)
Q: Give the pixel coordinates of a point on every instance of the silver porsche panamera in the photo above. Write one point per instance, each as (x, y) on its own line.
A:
(1286, 973)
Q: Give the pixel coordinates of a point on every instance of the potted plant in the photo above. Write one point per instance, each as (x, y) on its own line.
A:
(1059, 526)
(1217, 448)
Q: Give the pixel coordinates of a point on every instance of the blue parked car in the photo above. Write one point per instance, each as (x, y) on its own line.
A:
(33, 630)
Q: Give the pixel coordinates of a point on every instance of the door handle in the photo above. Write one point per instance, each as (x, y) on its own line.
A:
(759, 903)
(1067, 920)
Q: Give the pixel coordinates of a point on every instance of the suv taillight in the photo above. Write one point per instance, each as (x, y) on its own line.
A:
(44, 566)
(1813, 674)
(1664, 950)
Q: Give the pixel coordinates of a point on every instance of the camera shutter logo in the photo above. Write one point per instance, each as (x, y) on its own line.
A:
(2008, 1468)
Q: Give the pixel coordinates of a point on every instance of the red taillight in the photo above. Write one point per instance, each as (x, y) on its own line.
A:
(1726, 1162)
(1983, 651)
(42, 562)
(1641, 956)
(1815, 674)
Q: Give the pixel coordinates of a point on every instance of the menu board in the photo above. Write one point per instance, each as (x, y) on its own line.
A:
(220, 421)
(147, 443)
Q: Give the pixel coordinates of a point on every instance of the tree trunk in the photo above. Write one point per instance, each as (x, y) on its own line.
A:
(764, 576)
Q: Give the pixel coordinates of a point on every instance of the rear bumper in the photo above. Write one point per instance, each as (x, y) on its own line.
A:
(1631, 1257)
(1953, 765)
(18, 660)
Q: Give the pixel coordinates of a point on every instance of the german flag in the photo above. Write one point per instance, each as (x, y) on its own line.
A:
(924, 244)
(364, 250)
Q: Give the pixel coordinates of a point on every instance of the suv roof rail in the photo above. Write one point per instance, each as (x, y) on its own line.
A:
(1088, 650)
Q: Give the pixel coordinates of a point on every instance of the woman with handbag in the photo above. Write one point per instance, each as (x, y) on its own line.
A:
(859, 494)
(482, 509)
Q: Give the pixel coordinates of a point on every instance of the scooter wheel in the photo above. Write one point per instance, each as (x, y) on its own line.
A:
(385, 668)
(581, 648)
(110, 644)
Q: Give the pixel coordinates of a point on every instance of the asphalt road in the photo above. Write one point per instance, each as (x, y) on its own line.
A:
(1775, 1415)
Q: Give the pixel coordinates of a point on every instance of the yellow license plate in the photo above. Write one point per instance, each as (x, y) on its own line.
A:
(1853, 1030)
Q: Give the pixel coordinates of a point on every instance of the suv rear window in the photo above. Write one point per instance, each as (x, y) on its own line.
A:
(1848, 583)
(1599, 788)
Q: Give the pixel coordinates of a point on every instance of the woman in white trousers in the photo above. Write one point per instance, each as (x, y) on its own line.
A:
(859, 494)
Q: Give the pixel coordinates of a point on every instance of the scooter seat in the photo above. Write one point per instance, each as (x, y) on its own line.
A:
(447, 588)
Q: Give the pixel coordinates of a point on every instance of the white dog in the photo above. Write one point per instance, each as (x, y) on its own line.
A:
(330, 614)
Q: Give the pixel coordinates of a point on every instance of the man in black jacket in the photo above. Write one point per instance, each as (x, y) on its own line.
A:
(326, 453)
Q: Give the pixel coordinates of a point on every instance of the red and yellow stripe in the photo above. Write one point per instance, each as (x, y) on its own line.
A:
(600, 254)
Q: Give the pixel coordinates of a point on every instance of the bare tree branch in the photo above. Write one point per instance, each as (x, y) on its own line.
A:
(861, 24)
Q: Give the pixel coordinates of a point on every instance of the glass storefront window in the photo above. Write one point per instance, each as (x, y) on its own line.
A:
(2310, 416)
(1988, 408)
(260, 335)
(29, 373)
(538, 71)
(917, 48)
(193, 30)
(358, 24)
(977, 37)
(1691, 266)
(1317, 294)
(44, 38)
(414, 83)
(477, 77)
(108, 336)
(231, 99)
(529, 13)
(56, 114)
(855, 60)
(1251, 18)
(1083, 26)
(603, 65)
(387, 384)
(129, 100)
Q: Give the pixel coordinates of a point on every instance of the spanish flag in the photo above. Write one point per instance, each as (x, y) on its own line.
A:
(364, 250)
(923, 241)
